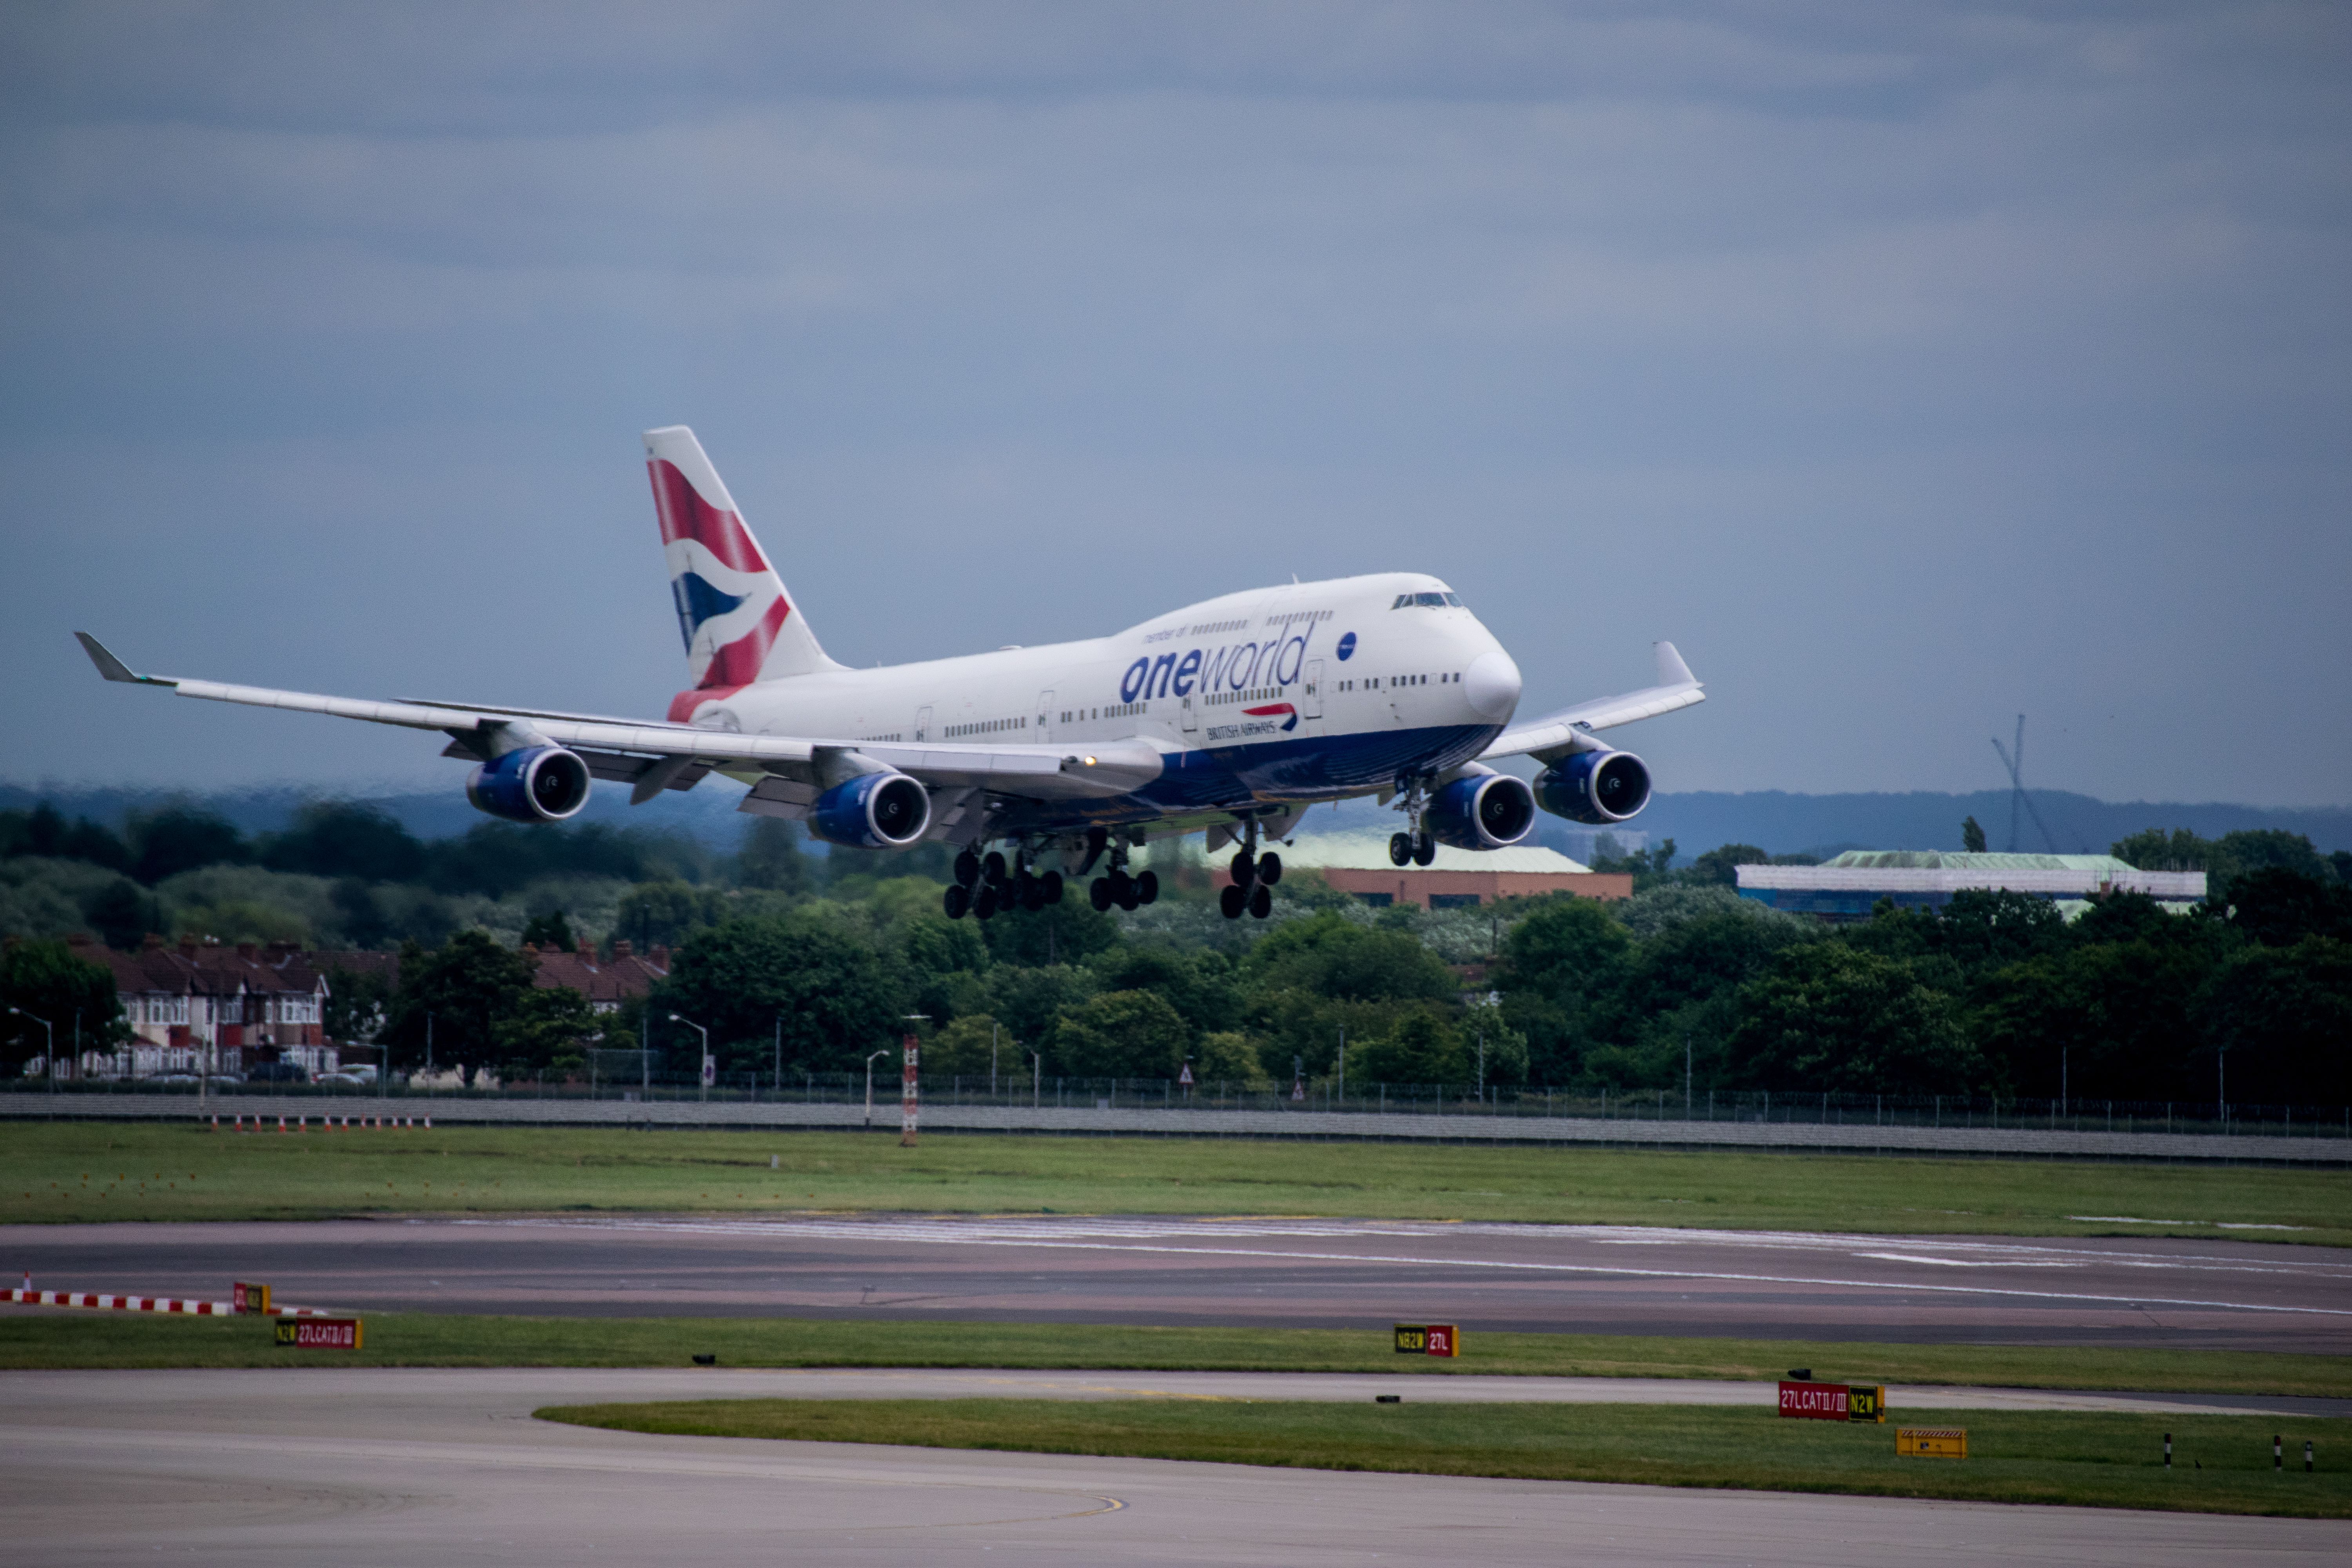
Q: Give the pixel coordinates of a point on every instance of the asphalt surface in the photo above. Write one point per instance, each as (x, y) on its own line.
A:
(438, 1468)
(1297, 1273)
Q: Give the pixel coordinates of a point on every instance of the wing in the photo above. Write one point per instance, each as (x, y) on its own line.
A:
(1571, 729)
(654, 757)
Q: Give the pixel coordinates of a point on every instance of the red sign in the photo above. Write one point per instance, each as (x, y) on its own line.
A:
(1813, 1401)
(319, 1333)
(1428, 1339)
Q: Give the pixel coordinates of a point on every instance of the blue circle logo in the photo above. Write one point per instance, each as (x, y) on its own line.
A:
(1347, 646)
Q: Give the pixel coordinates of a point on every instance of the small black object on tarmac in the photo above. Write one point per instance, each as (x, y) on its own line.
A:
(706, 1361)
(1800, 1374)
(1387, 1399)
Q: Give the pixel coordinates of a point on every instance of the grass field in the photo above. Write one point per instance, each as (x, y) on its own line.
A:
(2221, 1463)
(52, 1172)
(107, 1340)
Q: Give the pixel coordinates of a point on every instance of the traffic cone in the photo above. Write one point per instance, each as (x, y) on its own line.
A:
(281, 1124)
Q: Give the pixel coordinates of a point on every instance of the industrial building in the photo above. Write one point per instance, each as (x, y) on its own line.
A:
(1850, 887)
(1356, 860)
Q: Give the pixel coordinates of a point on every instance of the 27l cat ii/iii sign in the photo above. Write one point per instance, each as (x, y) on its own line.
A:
(1834, 1401)
(319, 1333)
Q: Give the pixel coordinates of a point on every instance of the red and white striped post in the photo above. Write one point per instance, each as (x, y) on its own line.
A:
(910, 1087)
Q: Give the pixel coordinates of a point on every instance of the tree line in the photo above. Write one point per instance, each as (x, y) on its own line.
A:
(806, 963)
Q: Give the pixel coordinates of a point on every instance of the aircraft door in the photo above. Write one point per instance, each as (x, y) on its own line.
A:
(1190, 716)
(1310, 705)
(1045, 715)
(922, 726)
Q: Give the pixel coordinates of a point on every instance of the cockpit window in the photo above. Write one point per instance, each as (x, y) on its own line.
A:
(1427, 601)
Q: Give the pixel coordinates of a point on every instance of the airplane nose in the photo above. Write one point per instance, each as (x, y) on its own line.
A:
(1491, 685)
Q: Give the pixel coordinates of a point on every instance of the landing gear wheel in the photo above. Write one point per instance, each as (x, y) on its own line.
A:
(1033, 893)
(1244, 868)
(1231, 902)
(1269, 868)
(1147, 888)
(1122, 889)
(958, 902)
(1051, 883)
(993, 867)
(1424, 849)
(983, 902)
(1399, 849)
(966, 869)
(1261, 903)
(1098, 894)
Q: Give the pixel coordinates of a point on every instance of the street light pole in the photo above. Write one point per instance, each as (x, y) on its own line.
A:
(704, 1074)
(780, 1058)
(869, 1086)
(51, 1054)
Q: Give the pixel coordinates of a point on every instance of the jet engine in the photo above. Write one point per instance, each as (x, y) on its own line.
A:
(1484, 811)
(534, 784)
(1598, 787)
(883, 810)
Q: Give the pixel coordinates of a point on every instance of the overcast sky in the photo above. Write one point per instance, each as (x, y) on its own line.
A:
(1909, 366)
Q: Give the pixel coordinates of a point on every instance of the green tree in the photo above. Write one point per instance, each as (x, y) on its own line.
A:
(964, 1049)
(549, 1029)
(1120, 1033)
(1420, 1048)
(346, 839)
(664, 913)
(1030, 1001)
(357, 1007)
(1228, 1057)
(1066, 933)
(1200, 985)
(548, 933)
(1972, 838)
(836, 995)
(182, 839)
(2280, 907)
(1719, 867)
(1830, 1017)
(122, 913)
(772, 857)
(45, 981)
(2284, 1016)
(467, 988)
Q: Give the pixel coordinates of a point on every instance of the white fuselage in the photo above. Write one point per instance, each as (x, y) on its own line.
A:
(1307, 691)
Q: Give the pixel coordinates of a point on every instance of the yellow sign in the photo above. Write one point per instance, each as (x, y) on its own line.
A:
(1866, 1401)
(1931, 1442)
(247, 1297)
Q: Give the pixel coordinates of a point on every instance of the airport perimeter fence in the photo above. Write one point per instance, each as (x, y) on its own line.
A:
(1493, 1102)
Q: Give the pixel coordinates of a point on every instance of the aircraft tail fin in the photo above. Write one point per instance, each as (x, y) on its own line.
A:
(738, 623)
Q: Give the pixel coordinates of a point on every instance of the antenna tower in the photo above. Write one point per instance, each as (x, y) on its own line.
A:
(2013, 757)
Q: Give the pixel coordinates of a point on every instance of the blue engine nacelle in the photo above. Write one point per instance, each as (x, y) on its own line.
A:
(537, 784)
(1598, 787)
(1485, 811)
(872, 811)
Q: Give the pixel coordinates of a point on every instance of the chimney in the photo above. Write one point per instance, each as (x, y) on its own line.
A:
(246, 949)
(532, 948)
(620, 949)
(154, 942)
(81, 938)
(660, 958)
(188, 946)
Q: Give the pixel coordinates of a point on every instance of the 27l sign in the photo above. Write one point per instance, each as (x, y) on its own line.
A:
(1428, 1339)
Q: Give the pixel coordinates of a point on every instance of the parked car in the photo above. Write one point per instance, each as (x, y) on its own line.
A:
(277, 1072)
(344, 1079)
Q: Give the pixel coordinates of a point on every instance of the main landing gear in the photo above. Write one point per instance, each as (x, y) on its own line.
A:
(1115, 886)
(983, 886)
(1255, 876)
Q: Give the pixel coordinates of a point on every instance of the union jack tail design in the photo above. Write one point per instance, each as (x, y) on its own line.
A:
(739, 624)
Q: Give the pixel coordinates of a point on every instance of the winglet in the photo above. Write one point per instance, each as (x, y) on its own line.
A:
(1672, 670)
(114, 668)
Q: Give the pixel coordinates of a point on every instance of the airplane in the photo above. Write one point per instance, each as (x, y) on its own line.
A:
(1230, 717)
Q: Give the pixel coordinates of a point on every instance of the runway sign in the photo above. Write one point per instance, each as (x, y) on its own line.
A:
(1834, 1401)
(1428, 1339)
(249, 1298)
(319, 1333)
(1931, 1442)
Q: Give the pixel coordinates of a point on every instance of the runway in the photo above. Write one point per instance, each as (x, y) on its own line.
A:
(401, 1466)
(1297, 1273)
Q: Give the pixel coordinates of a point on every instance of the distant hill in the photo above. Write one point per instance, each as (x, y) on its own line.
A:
(1773, 820)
